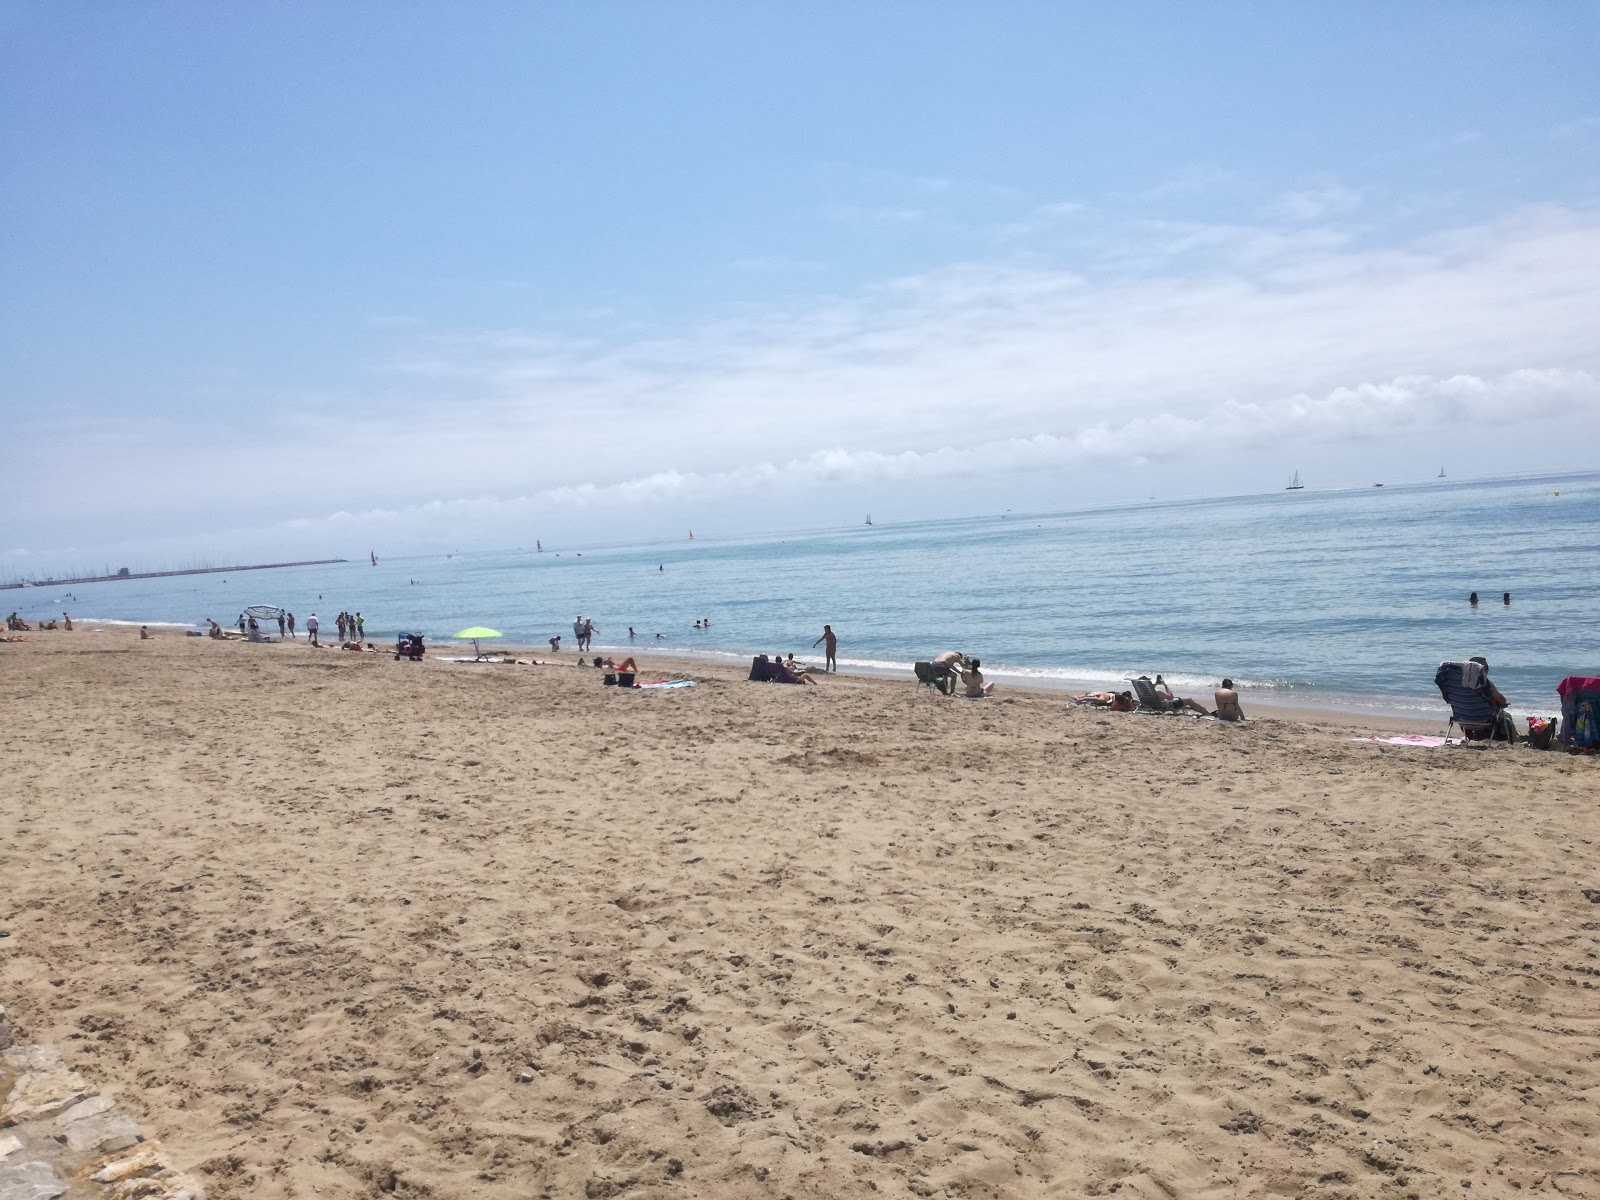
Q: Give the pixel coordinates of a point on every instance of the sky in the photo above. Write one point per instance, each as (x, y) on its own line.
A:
(304, 280)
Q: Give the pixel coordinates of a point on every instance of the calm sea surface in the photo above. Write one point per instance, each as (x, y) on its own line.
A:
(1347, 599)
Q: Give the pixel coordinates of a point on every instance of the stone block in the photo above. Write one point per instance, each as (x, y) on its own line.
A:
(146, 1160)
(92, 1107)
(21, 1059)
(38, 1094)
(43, 1087)
(30, 1181)
(142, 1188)
(103, 1133)
(8, 1146)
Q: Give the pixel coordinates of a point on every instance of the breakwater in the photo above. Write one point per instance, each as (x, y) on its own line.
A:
(126, 574)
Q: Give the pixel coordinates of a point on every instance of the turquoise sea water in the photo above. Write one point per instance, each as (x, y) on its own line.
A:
(1348, 599)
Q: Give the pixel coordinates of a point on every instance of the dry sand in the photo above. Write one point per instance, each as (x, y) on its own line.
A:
(339, 925)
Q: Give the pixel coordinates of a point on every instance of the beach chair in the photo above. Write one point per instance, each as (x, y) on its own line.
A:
(1580, 714)
(1150, 700)
(1465, 688)
(930, 676)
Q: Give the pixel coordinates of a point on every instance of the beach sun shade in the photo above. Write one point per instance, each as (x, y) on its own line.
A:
(265, 612)
(474, 634)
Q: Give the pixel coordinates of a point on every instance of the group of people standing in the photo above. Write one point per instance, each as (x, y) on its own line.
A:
(352, 627)
(583, 629)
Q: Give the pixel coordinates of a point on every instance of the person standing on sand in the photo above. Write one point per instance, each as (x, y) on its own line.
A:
(291, 625)
(68, 620)
(283, 628)
(312, 625)
(361, 627)
(830, 663)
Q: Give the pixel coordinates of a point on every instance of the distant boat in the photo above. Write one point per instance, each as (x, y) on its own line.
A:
(1294, 485)
(691, 535)
(1441, 471)
(1377, 485)
(373, 555)
(869, 518)
(538, 546)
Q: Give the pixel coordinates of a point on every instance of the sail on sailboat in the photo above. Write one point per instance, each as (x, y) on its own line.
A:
(538, 546)
(373, 555)
(869, 518)
(1441, 471)
(1294, 484)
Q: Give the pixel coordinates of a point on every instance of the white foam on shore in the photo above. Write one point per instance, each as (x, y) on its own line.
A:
(135, 624)
(1267, 693)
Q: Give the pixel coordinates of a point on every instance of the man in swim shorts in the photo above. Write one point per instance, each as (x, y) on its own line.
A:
(831, 649)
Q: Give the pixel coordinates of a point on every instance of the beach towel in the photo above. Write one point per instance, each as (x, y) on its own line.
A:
(1407, 739)
(666, 683)
(1580, 713)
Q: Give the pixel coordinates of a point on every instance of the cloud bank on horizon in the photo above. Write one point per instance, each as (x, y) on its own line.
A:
(1014, 345)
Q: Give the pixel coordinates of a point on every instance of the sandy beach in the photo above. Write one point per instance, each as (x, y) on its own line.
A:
(339, 925)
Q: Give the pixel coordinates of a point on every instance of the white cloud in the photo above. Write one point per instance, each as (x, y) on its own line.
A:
(1327, 199)
(1573, 130)
(1172, 340)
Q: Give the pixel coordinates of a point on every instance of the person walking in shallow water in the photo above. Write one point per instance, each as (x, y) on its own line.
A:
(291, 626)
(830, 663)
(312, 625)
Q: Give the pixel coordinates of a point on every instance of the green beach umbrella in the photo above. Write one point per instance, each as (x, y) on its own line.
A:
(474, 634)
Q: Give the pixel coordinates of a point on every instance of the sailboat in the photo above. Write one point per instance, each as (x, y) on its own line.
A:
(538, 546)
(1441, 471)
(1295, 485)
(691, 535)
(869, 518)
(373, 555)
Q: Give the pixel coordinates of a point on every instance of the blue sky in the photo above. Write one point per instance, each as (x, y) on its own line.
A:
(309, 277)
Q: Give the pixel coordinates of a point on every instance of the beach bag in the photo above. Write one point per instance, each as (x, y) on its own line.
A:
(611, 679)
(1540, 732)
(624, 678)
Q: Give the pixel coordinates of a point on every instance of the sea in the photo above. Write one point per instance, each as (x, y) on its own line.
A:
(1346, 599)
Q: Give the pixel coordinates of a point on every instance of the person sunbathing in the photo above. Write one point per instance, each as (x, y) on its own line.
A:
(782, 674)
(1167, 702)
(1114, 701)
(1227, 703)
(972, 680)
(1504, 728)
